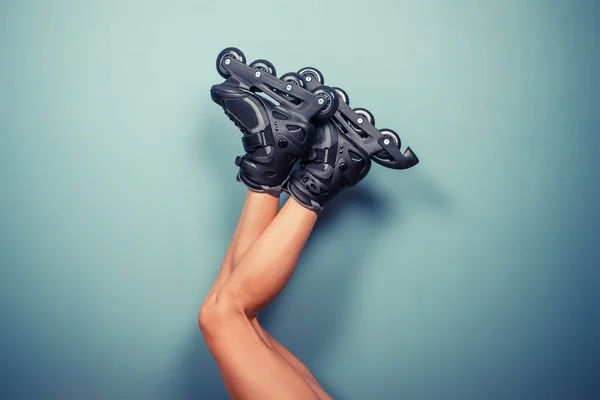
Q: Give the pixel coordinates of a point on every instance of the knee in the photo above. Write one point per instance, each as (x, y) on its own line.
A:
(216, 312)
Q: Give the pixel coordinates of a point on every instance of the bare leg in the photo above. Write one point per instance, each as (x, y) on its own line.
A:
(261, 275)
(262, 208)
(294, 362)
(258, 211)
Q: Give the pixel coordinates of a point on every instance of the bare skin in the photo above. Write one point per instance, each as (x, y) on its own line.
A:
(258, 264)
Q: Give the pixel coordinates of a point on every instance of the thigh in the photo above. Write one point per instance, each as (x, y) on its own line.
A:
(291, 359)
(251, 370)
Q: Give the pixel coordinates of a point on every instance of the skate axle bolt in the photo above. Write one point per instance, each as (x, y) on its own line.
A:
(288, 87)
(321, 101)
(386, 141)
(308, 79)
(257, 74)
(360, 120)
(227, 61)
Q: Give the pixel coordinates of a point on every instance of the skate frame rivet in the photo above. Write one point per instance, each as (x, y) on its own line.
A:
(257, 74)
(227, 61)
(360, 120)
(288, 87)
(386, 141)
(321, 101)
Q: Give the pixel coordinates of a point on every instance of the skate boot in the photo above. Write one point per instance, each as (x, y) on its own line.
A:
(276, 116)
(341, 155)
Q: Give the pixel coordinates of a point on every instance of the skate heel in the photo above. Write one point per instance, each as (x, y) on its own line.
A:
(411, 157)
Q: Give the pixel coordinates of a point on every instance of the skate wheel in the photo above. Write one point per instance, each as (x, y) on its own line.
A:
(342, 95)
(310, 74)
(331, 101)
(362, 114)
(229, 53)
(393, 136)
(293, 78)
(264, 65)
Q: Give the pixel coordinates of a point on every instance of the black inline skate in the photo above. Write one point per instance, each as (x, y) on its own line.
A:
(342, 151)
(275, 115)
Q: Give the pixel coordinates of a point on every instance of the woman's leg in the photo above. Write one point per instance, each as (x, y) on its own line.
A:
(257, 213)
(294, 362)
(253, 369)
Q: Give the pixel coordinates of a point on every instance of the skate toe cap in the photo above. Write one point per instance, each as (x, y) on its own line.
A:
(225, 91)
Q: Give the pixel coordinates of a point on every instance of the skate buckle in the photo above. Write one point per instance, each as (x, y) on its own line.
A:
(320, 155)
(254, 140)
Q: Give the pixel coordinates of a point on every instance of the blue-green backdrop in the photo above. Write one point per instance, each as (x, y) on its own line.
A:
(472, 276)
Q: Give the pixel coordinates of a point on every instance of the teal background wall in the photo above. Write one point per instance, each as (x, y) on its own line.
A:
(472, 276)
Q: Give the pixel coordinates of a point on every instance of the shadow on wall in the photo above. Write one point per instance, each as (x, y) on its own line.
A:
(362, 211)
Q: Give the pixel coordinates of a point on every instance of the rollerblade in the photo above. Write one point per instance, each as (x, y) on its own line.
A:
(344, 146)
(276, 116)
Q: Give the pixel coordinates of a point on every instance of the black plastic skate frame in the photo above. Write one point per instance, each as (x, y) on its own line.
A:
(358, 126)
(288, 91)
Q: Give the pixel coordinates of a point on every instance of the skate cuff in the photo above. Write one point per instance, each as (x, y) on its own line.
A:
(273, 191)
(255, 140)
(301, 199)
